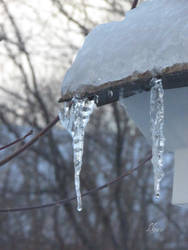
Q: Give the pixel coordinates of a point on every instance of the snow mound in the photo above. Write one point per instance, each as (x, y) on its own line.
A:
(151, 37)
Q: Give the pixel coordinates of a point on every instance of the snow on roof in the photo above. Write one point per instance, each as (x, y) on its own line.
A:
(152, 37)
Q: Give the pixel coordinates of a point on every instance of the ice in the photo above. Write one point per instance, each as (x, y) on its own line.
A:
(74, 117)
(157, 124)
(154, 228)
(144, 41)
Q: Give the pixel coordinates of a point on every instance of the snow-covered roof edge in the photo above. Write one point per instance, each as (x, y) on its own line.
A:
(111, 57)
(136, 83)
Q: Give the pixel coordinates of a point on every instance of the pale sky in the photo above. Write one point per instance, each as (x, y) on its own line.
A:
(48, 35)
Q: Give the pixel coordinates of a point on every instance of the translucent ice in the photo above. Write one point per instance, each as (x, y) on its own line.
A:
(74, 117)
(157, 124)
(153, 228)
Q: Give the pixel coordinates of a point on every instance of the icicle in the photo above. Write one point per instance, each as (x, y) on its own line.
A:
(74, 117)
(157, 123)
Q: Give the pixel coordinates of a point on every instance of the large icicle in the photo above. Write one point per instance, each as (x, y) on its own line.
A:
(157, 123)
(74, 117)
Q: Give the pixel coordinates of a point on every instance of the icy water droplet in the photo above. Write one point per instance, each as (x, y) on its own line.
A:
(157, 124)
(153, 228)
(96, 99)
(110, 93)
(74, 117)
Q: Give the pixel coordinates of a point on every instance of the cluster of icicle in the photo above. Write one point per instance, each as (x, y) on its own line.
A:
(157, 123)
(74, 116)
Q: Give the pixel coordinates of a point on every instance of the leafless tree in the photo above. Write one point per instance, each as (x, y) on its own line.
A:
(114, 218)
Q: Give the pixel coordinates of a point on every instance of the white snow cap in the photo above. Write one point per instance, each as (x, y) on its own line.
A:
(151, 37)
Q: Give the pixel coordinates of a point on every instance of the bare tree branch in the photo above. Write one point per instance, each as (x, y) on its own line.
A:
(27, 145)
(22, 47)
(134, 4)
(58, 3)
(17, 140)
(67, 200)
(1, 37)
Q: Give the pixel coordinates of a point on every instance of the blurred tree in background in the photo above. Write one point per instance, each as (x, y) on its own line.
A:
(39, 40)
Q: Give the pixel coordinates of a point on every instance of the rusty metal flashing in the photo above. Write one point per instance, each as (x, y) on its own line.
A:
(172, 77)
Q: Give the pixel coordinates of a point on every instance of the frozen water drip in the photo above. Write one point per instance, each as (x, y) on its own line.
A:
(74, 117)
(153, 228)
(157, 124)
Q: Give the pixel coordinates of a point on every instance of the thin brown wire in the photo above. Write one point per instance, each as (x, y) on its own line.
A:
(27, 145)
(17, 140)
(67, 200)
